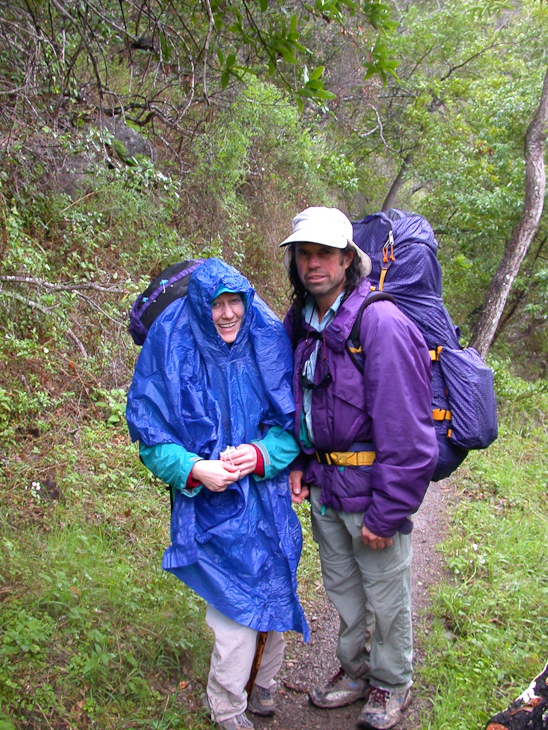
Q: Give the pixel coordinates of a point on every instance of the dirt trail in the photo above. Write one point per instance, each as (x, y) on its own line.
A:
(307, 666)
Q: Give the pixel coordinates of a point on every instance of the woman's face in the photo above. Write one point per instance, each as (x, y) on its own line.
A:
(228, 311)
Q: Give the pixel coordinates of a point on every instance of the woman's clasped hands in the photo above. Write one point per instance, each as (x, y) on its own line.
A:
(217, 474)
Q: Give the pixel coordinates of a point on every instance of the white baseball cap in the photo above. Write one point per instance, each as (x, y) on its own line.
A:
(327, 227)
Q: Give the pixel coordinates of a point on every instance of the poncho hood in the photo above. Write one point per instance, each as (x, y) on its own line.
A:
(193, 389)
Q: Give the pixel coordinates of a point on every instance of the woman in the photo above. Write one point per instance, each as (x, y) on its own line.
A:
(212, 409)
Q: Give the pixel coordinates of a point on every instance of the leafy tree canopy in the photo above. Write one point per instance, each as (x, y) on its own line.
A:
(447, 139)
(151, 61)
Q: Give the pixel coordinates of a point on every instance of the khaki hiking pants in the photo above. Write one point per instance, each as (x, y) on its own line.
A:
(371, 590)
(231, 661)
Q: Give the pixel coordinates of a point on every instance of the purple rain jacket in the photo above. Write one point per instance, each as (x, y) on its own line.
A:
(388, 407)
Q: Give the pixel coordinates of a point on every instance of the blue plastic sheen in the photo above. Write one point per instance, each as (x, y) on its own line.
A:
(238, 549)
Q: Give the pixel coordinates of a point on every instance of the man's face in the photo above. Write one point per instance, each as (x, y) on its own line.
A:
(322, 269)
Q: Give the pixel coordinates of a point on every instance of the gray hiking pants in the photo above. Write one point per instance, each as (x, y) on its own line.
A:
(371, 590)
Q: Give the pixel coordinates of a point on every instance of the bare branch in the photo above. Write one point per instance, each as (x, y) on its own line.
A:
(206, 47)
(94, 305)
(62, 287)
(46, 311)
(381, 130)
(467, 61)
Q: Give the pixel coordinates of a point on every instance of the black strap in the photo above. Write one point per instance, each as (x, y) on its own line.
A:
(353, 344)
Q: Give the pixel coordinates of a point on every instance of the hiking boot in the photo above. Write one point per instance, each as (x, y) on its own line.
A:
(384, 708)
(341, 690)
(261, 702)
(238, 722)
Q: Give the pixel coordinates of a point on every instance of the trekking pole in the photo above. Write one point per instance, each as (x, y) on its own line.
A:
(261, 641)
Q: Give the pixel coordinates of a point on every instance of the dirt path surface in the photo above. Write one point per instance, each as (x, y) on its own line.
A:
(309, 665)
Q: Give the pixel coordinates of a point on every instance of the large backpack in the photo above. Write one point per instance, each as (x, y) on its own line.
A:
(403, 249)
(169, 285)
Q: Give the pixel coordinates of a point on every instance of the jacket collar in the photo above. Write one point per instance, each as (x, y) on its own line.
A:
(338, 331)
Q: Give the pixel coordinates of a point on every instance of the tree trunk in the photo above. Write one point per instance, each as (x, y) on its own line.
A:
(514, 306)
(535, 187)
(396, 185)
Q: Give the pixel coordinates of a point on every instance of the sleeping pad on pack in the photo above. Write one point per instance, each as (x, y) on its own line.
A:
(238, 549)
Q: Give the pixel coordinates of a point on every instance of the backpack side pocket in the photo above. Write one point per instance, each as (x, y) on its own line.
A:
(471, 393)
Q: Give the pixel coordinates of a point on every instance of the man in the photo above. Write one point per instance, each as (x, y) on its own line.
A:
(368, 452)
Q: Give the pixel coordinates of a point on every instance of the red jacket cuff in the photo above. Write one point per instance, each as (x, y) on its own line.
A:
(192, 483)
(259, 469)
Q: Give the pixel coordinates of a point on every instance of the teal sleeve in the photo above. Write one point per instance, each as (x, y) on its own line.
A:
(171, 463)
(279, 449)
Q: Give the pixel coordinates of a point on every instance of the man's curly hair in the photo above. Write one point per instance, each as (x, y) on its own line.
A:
(354, 274)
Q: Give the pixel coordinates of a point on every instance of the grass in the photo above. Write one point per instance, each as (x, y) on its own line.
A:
(92, 630)
(490, 635)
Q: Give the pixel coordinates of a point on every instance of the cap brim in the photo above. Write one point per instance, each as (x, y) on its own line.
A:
(315, 236)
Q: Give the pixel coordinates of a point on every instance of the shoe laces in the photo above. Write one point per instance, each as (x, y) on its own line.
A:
(379, 698)
(264, 693)
(242, 720)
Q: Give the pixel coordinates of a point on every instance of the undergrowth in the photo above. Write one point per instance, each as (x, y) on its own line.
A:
(94, 634)
(92, 630)
(490, 634)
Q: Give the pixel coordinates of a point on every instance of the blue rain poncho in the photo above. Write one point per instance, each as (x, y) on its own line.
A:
(238, 549)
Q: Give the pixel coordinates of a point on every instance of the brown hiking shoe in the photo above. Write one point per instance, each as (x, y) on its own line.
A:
(261, 702)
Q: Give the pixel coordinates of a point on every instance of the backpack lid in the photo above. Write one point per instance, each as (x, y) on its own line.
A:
(169, 285)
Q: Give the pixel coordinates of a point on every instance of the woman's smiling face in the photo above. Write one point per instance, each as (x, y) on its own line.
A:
(228, 311)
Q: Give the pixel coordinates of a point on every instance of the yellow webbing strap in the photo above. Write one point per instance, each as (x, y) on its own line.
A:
(349, 458)
(440, 414)
(435, 354)
(381, 280)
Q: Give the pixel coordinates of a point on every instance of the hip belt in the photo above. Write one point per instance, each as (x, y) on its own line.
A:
(359, 454)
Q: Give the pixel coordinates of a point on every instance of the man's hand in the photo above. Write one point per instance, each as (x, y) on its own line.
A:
(215, 475)
(374, 541)
(299, 491)
(244, 458)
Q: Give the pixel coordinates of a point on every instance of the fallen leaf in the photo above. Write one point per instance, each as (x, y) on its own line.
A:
(77, 709)
(183, 684)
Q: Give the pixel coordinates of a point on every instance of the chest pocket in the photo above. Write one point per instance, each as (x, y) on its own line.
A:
(341, 402)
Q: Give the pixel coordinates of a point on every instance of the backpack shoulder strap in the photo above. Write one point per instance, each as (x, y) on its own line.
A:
(297, 329)
(353, 344)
